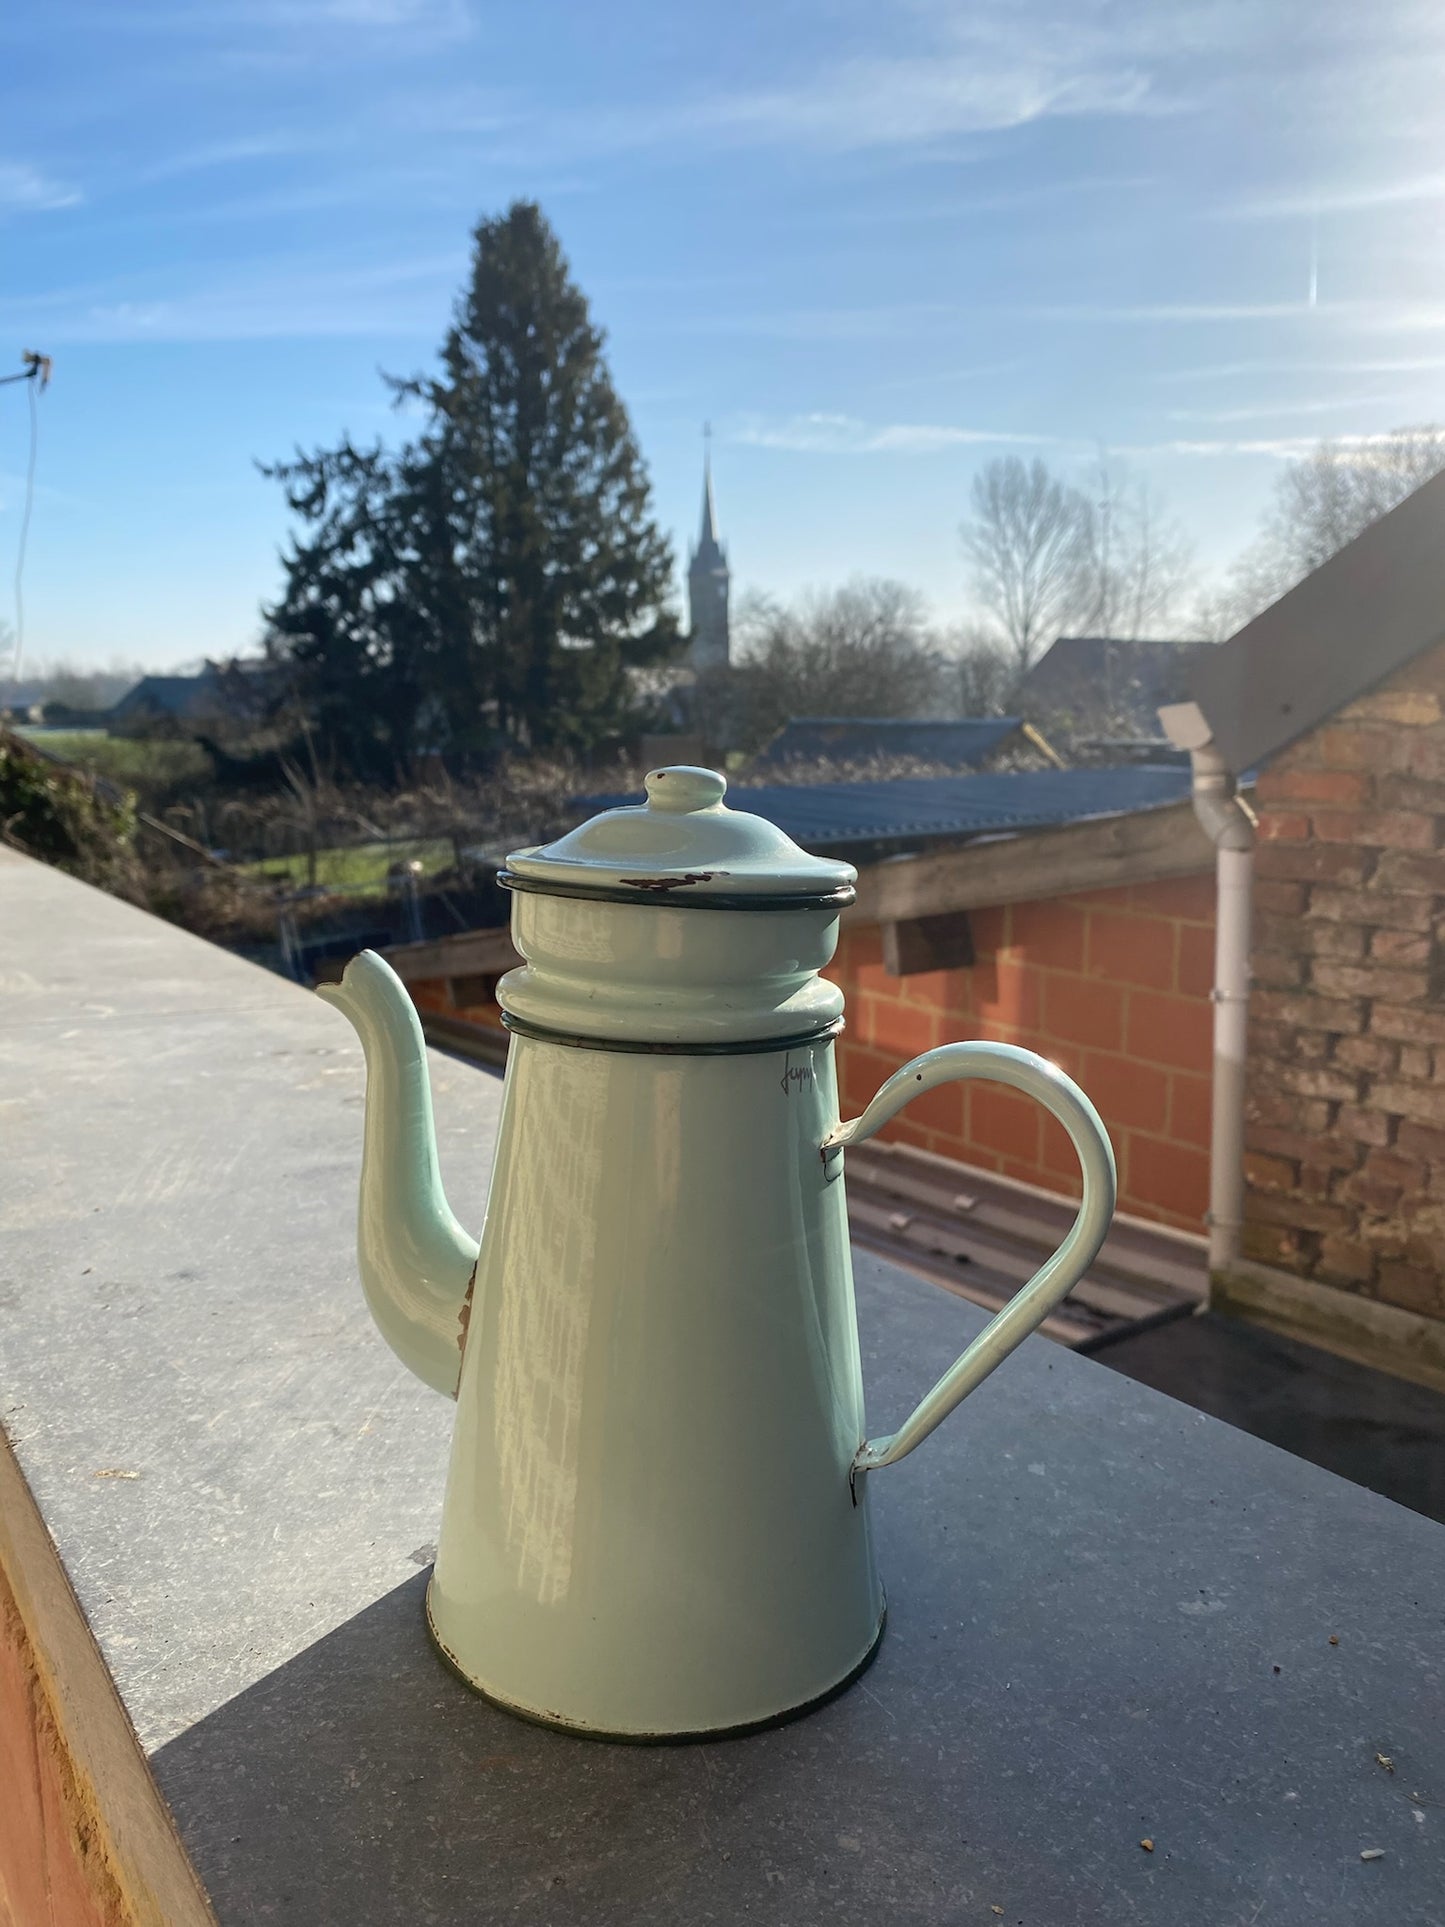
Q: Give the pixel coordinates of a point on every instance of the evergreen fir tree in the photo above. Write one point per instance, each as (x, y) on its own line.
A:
(501, 573)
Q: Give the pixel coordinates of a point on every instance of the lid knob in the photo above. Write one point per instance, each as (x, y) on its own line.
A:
(684, 788)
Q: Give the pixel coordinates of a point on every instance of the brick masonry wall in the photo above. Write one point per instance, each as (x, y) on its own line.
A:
(1113, 985)
(1345, 1139)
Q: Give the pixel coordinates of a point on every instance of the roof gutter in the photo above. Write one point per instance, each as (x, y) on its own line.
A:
(1229, 824)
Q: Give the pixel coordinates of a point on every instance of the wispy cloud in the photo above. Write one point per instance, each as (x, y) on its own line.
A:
(1277, 447)
(26, 190)
(824, 433)
(829, 434)
(904, 320)
(244, 149)
(937, 378)
(902, 212)
(1183, 311)
(280, 300)
(1355, 365)
(885, 102)
(1361, 317)
(232, 18)
(1341, 198)
(933, 76)
(1277, 411)
(451, 16)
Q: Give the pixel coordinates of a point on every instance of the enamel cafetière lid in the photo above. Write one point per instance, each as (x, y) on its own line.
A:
(683, 845)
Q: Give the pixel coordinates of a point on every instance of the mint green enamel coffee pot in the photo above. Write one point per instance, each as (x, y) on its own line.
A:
(656, 1519)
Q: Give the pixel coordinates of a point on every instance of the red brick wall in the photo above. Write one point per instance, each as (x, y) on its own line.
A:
(1111, 984)
(1346, 1101)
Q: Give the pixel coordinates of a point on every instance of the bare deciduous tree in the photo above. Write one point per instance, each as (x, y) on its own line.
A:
(1027, 541)
(979, 676)
(1101, 558)
(1138, 563)
(863, 650)
(1321, 503)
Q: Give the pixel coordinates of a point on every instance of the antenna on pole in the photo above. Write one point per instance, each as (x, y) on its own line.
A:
(35, 373)
(37, 369)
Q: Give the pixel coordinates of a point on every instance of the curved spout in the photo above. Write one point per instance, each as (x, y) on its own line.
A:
(416, 1261)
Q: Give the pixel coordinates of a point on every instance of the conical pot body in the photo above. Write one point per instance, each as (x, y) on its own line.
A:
(650, 1528)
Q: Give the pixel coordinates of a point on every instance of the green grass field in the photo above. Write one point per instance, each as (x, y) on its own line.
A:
(136, 763)
(147, 766)
(360, 869)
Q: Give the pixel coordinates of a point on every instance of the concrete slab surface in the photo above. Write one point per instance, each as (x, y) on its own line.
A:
(1110, 1615)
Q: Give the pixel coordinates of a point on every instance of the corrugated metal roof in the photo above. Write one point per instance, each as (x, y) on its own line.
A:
(960, 742)
(912, 811)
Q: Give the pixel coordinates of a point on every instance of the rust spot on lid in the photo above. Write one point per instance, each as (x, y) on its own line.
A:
(668, 883)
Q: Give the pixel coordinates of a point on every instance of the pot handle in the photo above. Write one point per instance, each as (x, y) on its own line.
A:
(1036, 1077)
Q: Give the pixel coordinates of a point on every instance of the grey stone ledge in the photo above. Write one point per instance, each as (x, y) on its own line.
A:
(1109, 1615)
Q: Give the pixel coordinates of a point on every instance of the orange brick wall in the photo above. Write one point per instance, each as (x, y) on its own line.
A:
(1113, 985)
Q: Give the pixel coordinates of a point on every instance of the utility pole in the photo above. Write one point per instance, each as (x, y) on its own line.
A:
(35, 373)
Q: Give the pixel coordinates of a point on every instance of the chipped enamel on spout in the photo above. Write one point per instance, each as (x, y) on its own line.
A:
(416, 1261)
(657, 1516)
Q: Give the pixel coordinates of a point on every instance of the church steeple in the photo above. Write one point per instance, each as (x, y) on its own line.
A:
(708, 578)
(708, 539)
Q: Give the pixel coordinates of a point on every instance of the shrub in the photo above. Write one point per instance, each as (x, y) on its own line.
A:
(65, 817)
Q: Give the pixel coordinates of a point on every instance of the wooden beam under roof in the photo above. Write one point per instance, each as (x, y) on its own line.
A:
(1145, 847)
(470, 953)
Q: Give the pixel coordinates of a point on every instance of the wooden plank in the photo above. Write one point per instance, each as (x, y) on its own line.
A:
(1145, 847)
(928, 943)
(469, 992)
(471, 953)
(1385, 1337)
(1164, 1261)
(478, 1042)
(972, 1178)
(1109, 1294)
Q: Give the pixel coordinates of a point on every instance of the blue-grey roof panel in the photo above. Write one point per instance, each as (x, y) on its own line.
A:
(961, 742)
(926, 809)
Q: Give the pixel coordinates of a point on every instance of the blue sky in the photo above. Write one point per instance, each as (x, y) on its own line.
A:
(876, 244)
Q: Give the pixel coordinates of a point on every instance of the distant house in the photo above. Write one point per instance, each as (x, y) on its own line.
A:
(218, 693)
(966, 742)
(1108, 689)
(22, 702)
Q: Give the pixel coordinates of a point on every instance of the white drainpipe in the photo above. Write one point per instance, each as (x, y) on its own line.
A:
(1230, 826)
